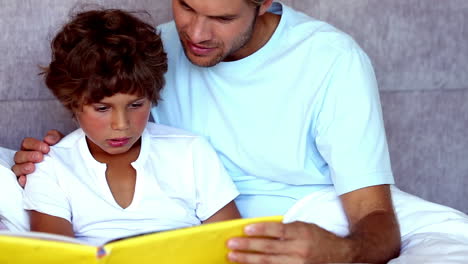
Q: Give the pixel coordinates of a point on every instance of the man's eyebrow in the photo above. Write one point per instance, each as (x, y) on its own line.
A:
(182, 2)
(222, 16)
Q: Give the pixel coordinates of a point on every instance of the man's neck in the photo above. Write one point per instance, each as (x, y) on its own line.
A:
(264, 28)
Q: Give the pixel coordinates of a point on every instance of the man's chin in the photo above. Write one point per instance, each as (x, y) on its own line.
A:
(203, 64)
(202, 61)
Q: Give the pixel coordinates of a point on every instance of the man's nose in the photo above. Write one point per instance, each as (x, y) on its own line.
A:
(199, 30)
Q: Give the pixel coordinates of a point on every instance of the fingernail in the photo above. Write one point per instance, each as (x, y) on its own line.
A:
(28, 168)
(249, 230)
(44, 145)
(233, 244)
(232, 256)
(35, 157)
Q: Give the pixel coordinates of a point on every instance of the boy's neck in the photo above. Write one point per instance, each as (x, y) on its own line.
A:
(120, 174)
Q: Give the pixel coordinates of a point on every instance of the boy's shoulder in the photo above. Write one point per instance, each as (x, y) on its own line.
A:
(68, 148)
(70, 140)
(173, 140)
(173, 136)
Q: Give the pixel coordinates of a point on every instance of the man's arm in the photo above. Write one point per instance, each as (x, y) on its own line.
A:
(374, 229)
(32, 151)
(374, 235)
(50, 224)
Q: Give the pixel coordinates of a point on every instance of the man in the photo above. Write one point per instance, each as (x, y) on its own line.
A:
(291, 105)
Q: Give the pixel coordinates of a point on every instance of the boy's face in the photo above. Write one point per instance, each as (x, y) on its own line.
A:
(212, 31)
(115, 123)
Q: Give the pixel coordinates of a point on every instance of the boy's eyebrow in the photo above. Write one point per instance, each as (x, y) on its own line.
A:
(130, 102)
(136, 100)
(140, 98)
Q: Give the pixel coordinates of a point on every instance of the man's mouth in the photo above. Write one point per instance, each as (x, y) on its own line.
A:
(199, 50)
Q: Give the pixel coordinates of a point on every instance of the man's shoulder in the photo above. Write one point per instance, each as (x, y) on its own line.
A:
(168, 32)
(167, 27)
(170, 39)
(305, 28)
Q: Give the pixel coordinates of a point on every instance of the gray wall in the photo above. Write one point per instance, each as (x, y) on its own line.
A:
(418, 47)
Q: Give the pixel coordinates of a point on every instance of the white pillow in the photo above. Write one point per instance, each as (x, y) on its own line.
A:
(12, 214)
(6, 157)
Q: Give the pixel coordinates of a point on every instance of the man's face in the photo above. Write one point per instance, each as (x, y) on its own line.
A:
(212, 31)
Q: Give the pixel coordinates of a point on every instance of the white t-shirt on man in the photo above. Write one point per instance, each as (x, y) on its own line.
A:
(299, 114)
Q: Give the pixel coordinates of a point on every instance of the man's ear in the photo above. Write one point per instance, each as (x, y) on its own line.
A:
(264, 7)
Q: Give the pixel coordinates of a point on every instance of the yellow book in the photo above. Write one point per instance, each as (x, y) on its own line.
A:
(204, 244)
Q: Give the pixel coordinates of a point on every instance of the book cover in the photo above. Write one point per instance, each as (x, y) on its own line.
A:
(203, 244)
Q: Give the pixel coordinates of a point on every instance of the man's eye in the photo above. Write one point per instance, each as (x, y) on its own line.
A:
(185, 6)
(225, 19)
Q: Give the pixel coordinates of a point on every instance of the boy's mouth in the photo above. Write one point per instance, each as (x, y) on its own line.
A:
(118, 142)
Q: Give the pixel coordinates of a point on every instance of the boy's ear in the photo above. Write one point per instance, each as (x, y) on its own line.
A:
(264, 7)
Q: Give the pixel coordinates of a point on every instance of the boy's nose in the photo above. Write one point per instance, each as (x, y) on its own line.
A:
(120, 121)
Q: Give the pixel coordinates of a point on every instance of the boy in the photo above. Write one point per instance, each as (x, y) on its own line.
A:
(119, 175)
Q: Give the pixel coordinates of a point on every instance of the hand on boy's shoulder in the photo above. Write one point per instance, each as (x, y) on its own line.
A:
(32, 151)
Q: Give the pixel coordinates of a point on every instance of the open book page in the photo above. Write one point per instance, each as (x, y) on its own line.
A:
(202, 244)
(38, 248)
(43, 236)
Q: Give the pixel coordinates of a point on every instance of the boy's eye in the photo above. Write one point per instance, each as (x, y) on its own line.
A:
(137, 104)
(101, 108)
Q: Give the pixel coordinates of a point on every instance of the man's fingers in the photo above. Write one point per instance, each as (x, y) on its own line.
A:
(52, 137)
(34, 144)
(24, 162)
(22, 180)
(26, 156)
(22, 169)
(253, 258)
(262, 245)
(277, 230)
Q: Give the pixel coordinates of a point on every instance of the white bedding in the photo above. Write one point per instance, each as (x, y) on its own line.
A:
(431, 233)
(6, 157)
(12, 214)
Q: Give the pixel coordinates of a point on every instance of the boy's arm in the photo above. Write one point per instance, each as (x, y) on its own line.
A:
(50, 224)
(228, 212)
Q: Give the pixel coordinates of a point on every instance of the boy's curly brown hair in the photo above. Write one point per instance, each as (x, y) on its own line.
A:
(103, 52)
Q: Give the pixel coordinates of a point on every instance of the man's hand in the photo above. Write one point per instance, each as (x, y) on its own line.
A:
(298, 242)
(374, 236)
(32, 151)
